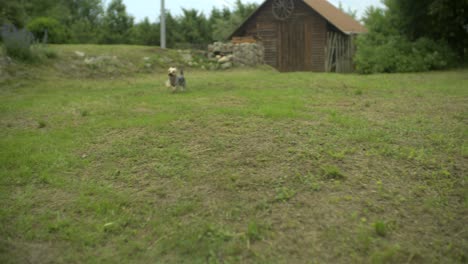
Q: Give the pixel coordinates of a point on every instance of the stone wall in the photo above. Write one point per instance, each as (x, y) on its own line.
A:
(228, 55)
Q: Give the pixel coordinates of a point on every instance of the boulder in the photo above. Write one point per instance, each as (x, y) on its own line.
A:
(225, 59)
(187, 57)
(79, 54)
(226, 65)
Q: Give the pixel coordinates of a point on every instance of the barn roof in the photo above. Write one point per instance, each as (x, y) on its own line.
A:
(333, 15)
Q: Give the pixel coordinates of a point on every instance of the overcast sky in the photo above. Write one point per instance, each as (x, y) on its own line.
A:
(150, 8)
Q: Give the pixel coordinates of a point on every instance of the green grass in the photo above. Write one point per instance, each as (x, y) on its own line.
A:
(247, 166)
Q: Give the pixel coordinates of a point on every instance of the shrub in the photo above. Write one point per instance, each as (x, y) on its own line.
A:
(56, 33)
(377, 53)
(17, 43)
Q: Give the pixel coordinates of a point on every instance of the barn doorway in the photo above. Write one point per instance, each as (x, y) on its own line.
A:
(294, 46)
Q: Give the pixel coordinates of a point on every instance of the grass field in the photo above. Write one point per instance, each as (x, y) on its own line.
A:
(247, 166)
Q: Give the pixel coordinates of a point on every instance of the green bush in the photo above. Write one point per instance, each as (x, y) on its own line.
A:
(377, 53)
(56, 33)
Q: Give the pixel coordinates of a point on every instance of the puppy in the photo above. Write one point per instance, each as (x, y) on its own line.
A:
(175, 81)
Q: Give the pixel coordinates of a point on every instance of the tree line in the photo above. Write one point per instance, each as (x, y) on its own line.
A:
(404, 36)
(90, 21)
(416, 35)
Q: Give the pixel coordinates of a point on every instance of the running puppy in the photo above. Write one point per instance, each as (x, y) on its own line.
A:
(175, 81)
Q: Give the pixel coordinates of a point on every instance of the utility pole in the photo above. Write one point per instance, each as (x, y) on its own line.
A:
(163, 25)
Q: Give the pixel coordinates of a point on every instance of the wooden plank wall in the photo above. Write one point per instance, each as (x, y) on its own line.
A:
(339, 52)
(316, 26)
(296, 44)
(265, 27)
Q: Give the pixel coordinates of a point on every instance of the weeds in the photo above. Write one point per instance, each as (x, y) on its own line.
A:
(84, 113)
(380, 228)
(283, 194)
(41, 124)
(331, 172)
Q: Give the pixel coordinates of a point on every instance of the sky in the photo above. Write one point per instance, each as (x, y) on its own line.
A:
(150, 8)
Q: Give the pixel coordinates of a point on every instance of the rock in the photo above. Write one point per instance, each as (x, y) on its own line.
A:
(225, 59)
(187, 57)
(226, 65)
(89, 61)
(227, 55)
(79, 54)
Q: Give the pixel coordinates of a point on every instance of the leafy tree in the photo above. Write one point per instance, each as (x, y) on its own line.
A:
(226, 13)
(56, 33)
(351, 12)
(387, 49)
(116, 24)
(215, 15)
(173, 35)
(244, 10)
(90, 10)
(12, 12)
(145, 33)
(84, 31)
(56, 9)
(224, 27)
(435, 19)
(194, 27)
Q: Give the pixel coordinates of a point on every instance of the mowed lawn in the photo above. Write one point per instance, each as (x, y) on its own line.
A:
(247, 166)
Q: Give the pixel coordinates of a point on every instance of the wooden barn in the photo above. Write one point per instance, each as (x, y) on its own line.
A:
(302, 35)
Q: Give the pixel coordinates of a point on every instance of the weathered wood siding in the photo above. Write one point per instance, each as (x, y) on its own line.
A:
(297, 44)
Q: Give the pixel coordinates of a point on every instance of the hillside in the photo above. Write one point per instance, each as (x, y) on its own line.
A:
(95, 61)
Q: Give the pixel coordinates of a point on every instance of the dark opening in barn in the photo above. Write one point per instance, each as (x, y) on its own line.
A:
(302, 35)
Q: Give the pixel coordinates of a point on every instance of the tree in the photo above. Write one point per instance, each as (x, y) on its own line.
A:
(435, 19)
(173, 35)
(56, 9)
(350, 12)
(12, 12)
(194, 27)
(145, 33)
(224, 27)
(393, 46)
(90, 10)
(229, 21)
(116, 24)
(85, 20)
(56, 33)
(244, 10)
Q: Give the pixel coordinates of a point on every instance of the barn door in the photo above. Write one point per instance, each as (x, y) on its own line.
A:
(294, 46)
